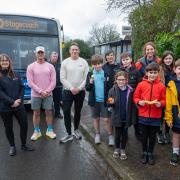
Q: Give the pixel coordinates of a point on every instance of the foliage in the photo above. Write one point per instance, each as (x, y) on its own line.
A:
(149, 20)
(168, 41)
(126, 5)
(85, 50)
(103, 34)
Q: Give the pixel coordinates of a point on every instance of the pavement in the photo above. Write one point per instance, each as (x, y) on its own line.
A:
(131, 168)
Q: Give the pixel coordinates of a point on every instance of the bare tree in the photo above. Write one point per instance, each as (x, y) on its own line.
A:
(103, 34)
(125, 5)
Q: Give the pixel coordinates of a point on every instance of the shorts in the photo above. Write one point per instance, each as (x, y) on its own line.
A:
(99, 110)
(176, 130)
(45, 103)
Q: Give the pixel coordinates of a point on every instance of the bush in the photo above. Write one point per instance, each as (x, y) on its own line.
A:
(168, 41)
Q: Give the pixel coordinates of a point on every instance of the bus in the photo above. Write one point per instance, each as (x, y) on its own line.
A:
(21, 34)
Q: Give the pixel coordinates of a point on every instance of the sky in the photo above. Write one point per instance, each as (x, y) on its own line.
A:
(77, 16)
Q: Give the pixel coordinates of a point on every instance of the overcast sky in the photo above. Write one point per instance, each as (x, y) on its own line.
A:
(77, 16)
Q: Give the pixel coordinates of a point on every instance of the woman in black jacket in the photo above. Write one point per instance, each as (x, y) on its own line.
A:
(11, 103)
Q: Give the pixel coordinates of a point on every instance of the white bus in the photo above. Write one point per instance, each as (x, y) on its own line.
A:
(21, 34)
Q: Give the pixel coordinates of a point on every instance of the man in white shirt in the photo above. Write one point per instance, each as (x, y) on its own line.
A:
(73, 75)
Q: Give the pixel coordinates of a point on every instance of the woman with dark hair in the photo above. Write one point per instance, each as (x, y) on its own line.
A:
(11, 103)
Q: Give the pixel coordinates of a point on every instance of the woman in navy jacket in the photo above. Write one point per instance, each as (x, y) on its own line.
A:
(11, 103)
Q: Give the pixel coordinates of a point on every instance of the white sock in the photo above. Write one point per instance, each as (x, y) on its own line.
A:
(176, 150)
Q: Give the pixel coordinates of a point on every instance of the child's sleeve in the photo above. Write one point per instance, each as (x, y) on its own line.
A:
(168, 110)
(163, 96)
(89, 86)
(137, 94)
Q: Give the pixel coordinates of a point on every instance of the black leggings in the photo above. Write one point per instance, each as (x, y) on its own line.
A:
(21, 117)
(148, 137)
(120, 137)
(68, 99)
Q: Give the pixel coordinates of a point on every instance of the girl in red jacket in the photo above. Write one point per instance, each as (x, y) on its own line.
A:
(149, 96)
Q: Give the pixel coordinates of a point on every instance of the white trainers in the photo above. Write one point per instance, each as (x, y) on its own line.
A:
(97, 139)
(116, 153)
(77, 134)
(123, 155)
(66, 138)
(36, 135)
(111, 140)
(50, 134)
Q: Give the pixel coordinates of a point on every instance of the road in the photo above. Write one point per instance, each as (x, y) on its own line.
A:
(75, 160)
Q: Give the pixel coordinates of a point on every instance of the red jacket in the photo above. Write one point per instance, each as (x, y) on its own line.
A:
(150, 91)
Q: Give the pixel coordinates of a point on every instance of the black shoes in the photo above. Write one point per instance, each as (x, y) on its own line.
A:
(12, 151)
(151, 160)
(144, 158)
(26, 148)
(148, 158)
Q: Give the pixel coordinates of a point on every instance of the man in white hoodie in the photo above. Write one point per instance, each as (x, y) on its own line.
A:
(73, 75)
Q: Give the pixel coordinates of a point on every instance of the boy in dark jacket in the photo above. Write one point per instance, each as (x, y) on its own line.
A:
(149, 96)
(134, 78)
(98, 87)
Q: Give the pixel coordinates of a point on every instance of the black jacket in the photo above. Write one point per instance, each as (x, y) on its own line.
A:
(110, 70)
(57, 67)
(10, 90)
(130, 113)
(91, 89)
(134, 76)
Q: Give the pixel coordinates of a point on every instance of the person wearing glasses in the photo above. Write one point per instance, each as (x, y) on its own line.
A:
(11, 104)
(41, 77)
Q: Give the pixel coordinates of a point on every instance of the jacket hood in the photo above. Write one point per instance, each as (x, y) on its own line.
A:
(157, 80)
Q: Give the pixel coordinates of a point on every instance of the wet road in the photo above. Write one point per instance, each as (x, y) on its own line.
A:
(76, 160)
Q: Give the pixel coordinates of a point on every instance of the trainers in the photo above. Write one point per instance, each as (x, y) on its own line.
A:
(116, 153)
(167, 138)
(111, 140)
(144, 158)
(77, 134)
(123, 155)
(174, 159)
(151, 160)
(66, 138)
(160, 139)
(36, 135)
(12, 151)
(97, 139)
(50, 134)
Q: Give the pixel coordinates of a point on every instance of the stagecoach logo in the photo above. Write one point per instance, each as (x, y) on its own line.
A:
(9, 24)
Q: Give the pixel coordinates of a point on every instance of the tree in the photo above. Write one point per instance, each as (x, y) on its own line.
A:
(85, 50)
(126, 5)
(149, 20)
(103, 34)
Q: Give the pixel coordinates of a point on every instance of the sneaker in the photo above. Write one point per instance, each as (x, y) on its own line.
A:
(167, 138)
(97, 139)
(50, 134)
(111, 140)
(160, 139)
(77, 134)
(174, 159)
(116, 153)
(27, 148)
(144, 158)
(151, 160)
(36, 135)
(12, 151)
(66, 138)
(123, 155)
